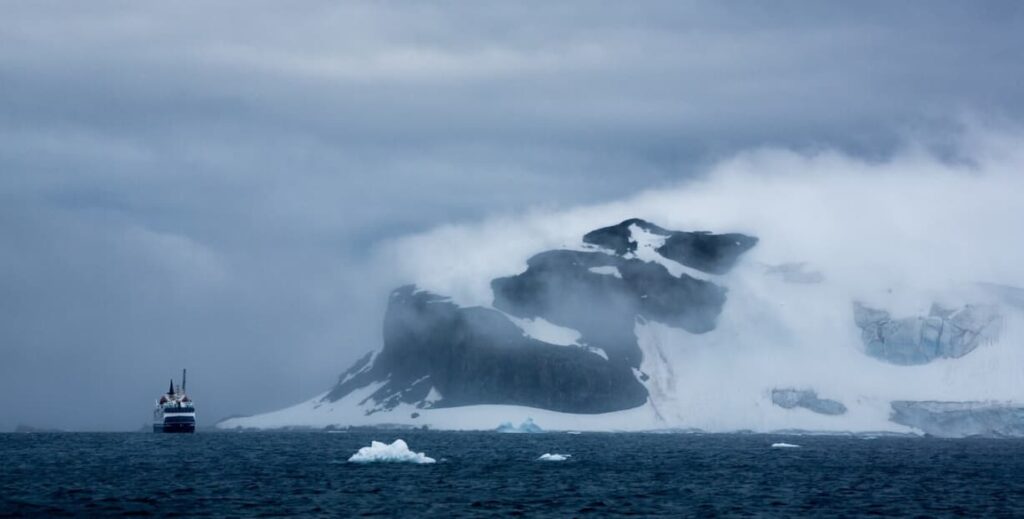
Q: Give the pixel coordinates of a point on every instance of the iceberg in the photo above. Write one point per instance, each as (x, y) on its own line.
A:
(526, 427)
(554, 457)
(781, 445)
(397, 452)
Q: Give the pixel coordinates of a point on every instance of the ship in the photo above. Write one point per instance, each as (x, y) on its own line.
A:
(175, 412)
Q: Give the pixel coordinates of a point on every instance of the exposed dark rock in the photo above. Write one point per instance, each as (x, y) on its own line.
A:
(559, 287)
(712, 253)
(808, 399)
(944, 333)
(619, 238)
(961, 419)
(701, 250)
(478, 356)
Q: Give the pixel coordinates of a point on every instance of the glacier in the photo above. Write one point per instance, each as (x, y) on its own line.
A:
(782, 286)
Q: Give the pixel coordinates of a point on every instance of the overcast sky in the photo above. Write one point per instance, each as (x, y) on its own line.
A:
(204, 185)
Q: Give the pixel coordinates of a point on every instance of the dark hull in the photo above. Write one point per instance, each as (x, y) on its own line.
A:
(175, 428)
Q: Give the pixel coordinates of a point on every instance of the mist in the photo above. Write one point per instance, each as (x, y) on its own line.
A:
(914, 220)
(900, 235)
(235, 188)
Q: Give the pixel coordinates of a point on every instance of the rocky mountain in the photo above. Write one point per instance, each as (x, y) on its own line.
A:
(472, 356)
(638, 327)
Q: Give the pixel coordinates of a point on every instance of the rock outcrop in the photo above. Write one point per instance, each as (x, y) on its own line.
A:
(943, 333)
(711, 253)
(438, 354)
(808, 399)
(560, 287)
(478, 356)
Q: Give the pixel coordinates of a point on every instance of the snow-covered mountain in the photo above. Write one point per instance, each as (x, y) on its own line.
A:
(637, 327)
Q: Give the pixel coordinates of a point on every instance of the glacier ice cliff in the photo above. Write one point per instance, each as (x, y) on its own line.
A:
(943, 333)
(961, 419)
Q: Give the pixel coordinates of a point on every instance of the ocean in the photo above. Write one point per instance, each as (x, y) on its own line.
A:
(490, 474)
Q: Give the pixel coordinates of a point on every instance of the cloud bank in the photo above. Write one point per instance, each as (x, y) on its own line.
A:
(914, 221)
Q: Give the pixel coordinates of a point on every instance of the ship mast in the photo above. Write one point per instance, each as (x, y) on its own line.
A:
(183, 381)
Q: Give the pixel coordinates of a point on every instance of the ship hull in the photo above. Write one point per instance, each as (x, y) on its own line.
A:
(174, 428)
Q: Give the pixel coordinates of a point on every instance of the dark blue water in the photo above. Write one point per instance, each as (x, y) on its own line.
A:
(485, 474)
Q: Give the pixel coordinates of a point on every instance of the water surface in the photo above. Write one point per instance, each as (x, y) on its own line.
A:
(484, 474)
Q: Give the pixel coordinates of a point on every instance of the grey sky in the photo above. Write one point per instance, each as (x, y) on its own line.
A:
(186, 184)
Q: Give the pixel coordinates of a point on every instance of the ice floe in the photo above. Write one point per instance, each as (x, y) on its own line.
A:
(554, 457)
(397, 452)
(526, 427)
(785, 446)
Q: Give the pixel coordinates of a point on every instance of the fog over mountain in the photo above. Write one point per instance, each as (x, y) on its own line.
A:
(893, 289)
(237, 188)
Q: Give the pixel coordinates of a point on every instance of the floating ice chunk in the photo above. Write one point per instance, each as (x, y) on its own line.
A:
(785, 446)
(526, 427)
(397, 452)
(554, 457)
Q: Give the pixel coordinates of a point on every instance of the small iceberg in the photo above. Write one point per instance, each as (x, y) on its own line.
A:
(526, 427)
(554, 457)
(397, 452)
(785, 446)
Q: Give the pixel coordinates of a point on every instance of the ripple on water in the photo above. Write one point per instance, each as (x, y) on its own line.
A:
(492, 474)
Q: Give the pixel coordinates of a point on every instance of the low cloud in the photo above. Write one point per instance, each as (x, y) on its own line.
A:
(913, 220)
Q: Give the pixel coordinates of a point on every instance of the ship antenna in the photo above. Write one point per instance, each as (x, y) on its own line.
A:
(183, 380)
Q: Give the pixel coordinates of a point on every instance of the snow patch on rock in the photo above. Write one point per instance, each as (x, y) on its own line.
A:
(546, 331)
(647, 244)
